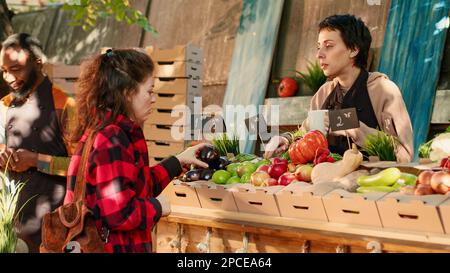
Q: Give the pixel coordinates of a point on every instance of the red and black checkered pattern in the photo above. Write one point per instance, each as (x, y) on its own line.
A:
(121, 187)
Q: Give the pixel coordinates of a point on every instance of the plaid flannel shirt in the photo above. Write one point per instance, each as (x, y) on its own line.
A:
(66, 113)
(120, 185)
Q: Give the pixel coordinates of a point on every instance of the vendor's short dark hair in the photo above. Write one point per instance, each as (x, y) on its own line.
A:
(354, 33)
(26, 42)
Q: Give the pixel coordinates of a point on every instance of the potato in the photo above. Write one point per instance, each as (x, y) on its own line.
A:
(425, 177)
(423, 189)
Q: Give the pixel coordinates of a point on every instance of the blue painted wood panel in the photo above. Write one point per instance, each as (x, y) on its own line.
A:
(251, 62)
(412, 54)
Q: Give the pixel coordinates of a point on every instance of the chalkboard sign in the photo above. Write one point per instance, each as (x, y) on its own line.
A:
(343, 119)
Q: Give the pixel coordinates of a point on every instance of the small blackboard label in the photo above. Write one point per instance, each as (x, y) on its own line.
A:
(343, 119)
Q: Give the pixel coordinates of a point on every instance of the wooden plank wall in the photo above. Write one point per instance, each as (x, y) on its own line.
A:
(415, 38)
(70, 45)
(211, 25)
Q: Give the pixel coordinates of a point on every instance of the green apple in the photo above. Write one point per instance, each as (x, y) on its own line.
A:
(234, 180)
(221, 177)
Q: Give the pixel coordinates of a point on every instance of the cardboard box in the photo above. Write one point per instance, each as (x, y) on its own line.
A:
(213, 196)
(182, 194)
(303, 200)
(190, 87)
(411, 212)
(164, 149)
(186, 53)
(178, 70)
(155, 160)
(353, 208)
(444, 209)
(250, 199)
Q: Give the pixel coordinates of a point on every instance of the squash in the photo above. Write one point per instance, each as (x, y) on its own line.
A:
(332, 172)
(304, 150)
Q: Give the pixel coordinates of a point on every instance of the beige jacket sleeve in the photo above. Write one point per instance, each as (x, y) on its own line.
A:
(393, 116)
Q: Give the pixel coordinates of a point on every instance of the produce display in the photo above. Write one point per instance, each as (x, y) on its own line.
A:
(309, 160)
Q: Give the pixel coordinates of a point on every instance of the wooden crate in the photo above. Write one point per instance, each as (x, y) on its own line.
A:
(168, 117)
(167, 133)
(63, 76)
(411, 212)
(353, 208)
(186, 227)
(188, 87)
(184, 53)
(178, 70)
(164, 149)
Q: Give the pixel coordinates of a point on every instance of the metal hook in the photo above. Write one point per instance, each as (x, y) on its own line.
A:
(306, 247)
(244, 248)
(374, 247)
(205, 246)
(176, 243)
(341, 249)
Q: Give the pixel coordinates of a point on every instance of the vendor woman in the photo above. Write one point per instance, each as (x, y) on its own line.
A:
(342, 49)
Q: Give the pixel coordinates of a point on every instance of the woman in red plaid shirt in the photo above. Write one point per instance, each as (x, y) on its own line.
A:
(114, 98)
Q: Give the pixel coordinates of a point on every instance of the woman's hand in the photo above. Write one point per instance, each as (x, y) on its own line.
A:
(276, 144)
(189, 156)
(165, 205)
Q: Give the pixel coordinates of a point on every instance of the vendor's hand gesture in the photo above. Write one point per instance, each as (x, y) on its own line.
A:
(189, 156)
(276, 144)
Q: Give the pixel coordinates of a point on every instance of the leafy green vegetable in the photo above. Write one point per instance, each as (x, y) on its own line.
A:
(225, 145)
(244, 157)
(336, 157)
(381, 145)
(315, 77)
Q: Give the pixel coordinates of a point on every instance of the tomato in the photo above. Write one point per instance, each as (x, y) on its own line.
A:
(287, 87)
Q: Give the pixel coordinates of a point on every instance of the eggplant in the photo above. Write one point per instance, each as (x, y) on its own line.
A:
(206, 174)
(193, 175)
(220, 164)
(209, 154)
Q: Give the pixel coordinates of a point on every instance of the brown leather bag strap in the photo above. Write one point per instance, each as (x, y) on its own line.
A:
(80, 184)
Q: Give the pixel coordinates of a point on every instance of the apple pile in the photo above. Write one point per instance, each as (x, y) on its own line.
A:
(280, 172)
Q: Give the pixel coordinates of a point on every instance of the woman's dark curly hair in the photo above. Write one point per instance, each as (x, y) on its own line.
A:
(354, 32)
(104, 84)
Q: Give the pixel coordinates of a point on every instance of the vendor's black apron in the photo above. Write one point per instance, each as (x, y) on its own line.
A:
(358, 97)
(34, 126)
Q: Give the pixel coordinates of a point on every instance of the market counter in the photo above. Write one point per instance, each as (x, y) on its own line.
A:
(194, 230)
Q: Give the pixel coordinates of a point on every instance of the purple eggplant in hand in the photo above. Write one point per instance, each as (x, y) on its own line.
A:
(209, 154)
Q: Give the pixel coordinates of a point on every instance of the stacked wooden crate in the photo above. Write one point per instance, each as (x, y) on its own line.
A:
(177, 74)
(63, 76)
